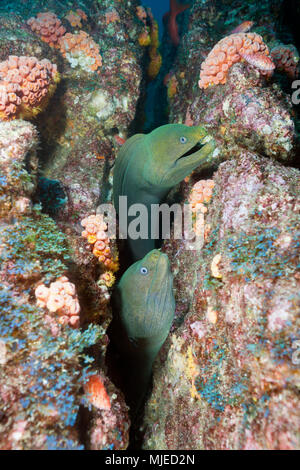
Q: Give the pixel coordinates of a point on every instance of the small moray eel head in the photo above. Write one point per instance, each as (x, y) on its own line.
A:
(147, 299)
(176, 151)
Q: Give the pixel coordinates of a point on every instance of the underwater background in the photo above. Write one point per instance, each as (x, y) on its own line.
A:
(77, 80)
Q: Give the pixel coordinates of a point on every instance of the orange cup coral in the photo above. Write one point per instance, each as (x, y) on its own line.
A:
(48, 26)
(201, 194)
(60, 298)
(74, 19)
(80, 49)
(96, 234)
(107, 278)
(230, 50)
(26, 84)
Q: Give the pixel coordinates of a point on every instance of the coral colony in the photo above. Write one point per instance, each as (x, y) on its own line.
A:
(150, 340)
(25, 85)
(233, 49)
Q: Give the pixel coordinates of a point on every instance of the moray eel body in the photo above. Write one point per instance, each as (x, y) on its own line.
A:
(148, 166)
(146, 311)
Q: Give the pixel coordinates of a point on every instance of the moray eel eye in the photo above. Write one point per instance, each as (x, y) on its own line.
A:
(183, 140)
(143, 270)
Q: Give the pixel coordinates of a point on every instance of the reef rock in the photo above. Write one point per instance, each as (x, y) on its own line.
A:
(227, 377)
(252, 110)
(63, 162)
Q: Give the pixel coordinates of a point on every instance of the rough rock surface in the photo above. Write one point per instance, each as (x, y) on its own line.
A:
(249, 111)
(225, 378)
(63, 160)
(43, 365)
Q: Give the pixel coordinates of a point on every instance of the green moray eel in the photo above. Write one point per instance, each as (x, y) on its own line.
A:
(148, 166)
(146, 311)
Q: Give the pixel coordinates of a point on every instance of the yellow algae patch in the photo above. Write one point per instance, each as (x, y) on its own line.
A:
(192, 372)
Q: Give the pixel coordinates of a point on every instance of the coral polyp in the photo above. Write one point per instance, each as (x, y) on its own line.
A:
(60, 298)
(286, 58)
(95, 231)
(80, 50)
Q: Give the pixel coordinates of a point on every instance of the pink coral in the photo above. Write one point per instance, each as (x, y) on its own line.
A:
(96, 234)
(201, 193)
(81, 44)
(232, 49)
(25, 86)
(60, 297)
(48, 26)
(286, 59)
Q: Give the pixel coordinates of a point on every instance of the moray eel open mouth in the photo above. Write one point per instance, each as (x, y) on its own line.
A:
(188, 161)
(193, 152)
(199, 145)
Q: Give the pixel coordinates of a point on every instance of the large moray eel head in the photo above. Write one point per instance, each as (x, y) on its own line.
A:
(176, 150)
(147, 299)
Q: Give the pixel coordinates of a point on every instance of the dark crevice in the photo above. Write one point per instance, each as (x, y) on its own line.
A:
(290, 31)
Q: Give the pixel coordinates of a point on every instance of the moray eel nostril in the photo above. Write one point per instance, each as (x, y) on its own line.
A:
(148, 166)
